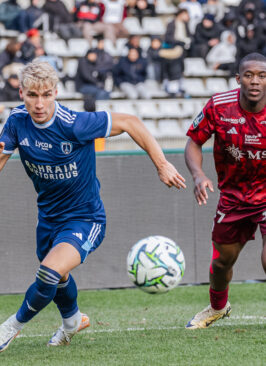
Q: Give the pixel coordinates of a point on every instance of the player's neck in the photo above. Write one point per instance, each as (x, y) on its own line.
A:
(252, 106)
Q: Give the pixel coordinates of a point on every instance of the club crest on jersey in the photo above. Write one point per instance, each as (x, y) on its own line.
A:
(66, 147)
(198, 119)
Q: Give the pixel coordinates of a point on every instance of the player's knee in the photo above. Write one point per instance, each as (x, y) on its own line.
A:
(47, 281)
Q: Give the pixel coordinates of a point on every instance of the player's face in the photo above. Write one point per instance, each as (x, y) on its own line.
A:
(39, 103)
(252, 79)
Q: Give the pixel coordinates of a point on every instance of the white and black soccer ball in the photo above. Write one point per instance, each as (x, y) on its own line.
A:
(156, 264)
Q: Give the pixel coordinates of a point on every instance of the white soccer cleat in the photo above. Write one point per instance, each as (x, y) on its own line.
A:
(208, 316)
(7, 333)
(63, 337)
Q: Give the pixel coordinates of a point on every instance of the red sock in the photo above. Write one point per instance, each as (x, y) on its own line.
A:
(218, 298)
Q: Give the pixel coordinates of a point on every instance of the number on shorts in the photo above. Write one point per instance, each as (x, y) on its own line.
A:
(222, 215)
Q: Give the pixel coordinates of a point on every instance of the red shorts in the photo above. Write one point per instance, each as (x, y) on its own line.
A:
(237, 224)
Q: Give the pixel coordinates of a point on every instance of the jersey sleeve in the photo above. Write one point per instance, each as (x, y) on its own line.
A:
(91, 125)
(203, 125)
(9, 137)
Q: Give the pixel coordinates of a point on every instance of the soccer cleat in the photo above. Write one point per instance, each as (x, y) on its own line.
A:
(7, 333)
(63, 337)
(208, 316)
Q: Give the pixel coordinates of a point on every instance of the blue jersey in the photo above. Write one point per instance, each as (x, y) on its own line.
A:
(59, 157)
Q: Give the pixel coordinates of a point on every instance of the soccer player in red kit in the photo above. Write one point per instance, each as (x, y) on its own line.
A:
(237, 119)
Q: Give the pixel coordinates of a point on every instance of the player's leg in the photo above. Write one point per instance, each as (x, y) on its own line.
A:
(59, 261)
(85, 237)
(221, 272)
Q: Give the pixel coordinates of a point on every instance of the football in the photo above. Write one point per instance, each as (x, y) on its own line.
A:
(155, 264)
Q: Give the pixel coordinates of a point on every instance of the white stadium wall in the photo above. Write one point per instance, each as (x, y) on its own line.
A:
(137, 205)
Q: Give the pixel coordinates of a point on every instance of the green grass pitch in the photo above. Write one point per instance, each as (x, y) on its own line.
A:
(129, 327)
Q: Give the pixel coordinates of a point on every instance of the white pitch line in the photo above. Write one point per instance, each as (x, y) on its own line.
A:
(260, 321)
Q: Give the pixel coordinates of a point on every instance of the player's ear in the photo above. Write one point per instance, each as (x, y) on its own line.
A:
(238, 79)
(20, 93)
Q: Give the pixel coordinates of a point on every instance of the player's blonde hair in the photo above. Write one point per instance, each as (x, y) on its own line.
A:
(38, 75)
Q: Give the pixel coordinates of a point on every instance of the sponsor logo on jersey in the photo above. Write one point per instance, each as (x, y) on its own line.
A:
(232, 131)
(78, 235)
(45, 146)
(238, 154)
(198, 119)
(263, 122)
(24, 142)
(253, 139)
(57, 172)
(240, 120)
(235, 152)
(66, 147)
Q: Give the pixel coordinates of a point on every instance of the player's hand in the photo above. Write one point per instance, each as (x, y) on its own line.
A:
(170, 176)
(200, 190)
(2, 146)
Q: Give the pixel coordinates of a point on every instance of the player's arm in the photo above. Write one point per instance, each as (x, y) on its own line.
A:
(139, 133)
(3, 157)
(193, 157)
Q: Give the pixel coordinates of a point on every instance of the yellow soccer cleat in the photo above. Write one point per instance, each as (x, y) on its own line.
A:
(208, 316)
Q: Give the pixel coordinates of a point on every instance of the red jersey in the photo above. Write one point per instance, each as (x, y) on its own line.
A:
(239, 147)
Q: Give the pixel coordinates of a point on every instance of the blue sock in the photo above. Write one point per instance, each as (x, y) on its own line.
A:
(66, 297)
(39, 294)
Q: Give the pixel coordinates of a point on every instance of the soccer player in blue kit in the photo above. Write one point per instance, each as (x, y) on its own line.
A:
(56, 147)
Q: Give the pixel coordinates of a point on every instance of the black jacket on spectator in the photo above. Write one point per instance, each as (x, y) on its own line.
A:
(27, 52)
(105, 62)
(199, 46)
(88, 73)
(130, 72)
(8, 93)
(58, 13)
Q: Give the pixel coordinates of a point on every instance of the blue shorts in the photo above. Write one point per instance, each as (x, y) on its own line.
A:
(83, 235)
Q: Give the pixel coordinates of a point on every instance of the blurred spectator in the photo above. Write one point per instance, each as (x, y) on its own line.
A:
(214, 7)
(195, 13)
(130, 74)
(223, 55)
(173, 69)
(29, 46)
(27, 17)
(61, 21)
(177, 32)
(113, 16)
(143, 8)
(250, 43)
(206, 36)
(258, 5)
(10, 91)
(133, 42)
(53, 60)
(229, 21)
(89, 79)
(9, 55)
(250, 17)
(154, 69)
(88, 15)
(105, 61)
(9, 11)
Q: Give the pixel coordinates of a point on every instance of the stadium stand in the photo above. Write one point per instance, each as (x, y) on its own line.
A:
(167, 117)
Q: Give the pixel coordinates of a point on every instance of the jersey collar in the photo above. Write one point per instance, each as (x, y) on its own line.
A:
(48, 123)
